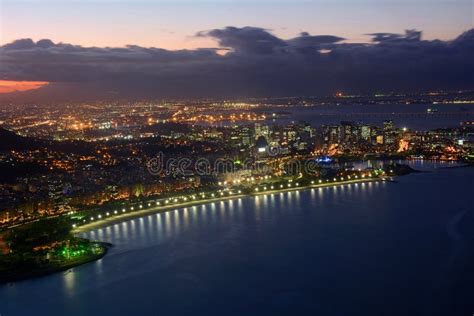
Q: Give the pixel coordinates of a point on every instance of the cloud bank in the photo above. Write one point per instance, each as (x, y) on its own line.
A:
(256, 63)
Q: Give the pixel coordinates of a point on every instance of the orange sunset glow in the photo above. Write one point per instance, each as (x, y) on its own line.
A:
(7, 86)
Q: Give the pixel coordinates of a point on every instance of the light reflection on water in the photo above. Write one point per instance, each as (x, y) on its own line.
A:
(418, 164)
(69, 284)
(374, 240)
(159, 227)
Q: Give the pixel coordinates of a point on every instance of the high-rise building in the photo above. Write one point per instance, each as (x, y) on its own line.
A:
(262, 130)
(350, 132)
(257, 130)
(389, 133)
(330, 134)
(246, 138)
(365, 132)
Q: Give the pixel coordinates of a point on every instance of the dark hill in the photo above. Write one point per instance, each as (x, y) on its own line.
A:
(11, 141)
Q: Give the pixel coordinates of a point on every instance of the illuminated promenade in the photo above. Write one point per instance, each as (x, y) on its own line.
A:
(106, 220)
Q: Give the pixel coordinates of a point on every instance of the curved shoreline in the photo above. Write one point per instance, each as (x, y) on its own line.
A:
(161, 209)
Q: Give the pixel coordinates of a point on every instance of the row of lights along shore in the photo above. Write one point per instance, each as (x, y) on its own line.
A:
(162, 203)
(213, 195)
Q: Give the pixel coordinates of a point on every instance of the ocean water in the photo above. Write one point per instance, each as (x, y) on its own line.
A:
(412, 116)
(392, 248)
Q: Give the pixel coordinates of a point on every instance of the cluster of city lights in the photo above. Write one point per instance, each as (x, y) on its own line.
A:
(249, 179)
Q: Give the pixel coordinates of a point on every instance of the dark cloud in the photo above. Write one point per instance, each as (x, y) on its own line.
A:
(246, 40)
(257, 63)
(305, 40)
(409, 36)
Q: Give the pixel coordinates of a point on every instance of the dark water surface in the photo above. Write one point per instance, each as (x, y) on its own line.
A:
(403, 248)
(412, 116)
